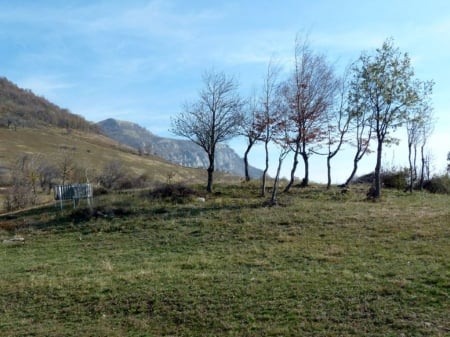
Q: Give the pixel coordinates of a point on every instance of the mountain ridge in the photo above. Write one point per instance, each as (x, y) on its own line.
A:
(33, 128)
(22, 108)
(178, 151)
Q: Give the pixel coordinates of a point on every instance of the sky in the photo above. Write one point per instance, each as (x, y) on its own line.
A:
(141, 60)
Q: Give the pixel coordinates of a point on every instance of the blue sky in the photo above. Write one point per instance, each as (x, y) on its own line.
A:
(141, 60)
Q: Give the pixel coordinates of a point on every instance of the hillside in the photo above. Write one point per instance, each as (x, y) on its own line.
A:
(88, 150)
(181, 152)
(47, 134)
(21, 108)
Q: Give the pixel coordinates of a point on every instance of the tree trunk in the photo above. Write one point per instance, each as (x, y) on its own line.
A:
(273, 199)
(355, 168)
(249, 146)
(209, 187)
(266, 168)
(305, 181)
(377, 190)
(294, 168)
(422, 169)
(328, 172)
(411, 178)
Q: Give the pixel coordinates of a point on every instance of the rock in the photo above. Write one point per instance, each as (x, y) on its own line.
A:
(17, 240)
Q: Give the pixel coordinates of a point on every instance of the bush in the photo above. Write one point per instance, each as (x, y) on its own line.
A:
(395, 179)
(83, 214)
(439, 184)
(18, 197)
(115, 176)
(172, 192)
(389, 179)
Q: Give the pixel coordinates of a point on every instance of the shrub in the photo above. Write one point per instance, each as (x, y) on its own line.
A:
(395, 179)
(440, 184)
(19, 196)
(392, 178)
(83, 214)
(172, 192)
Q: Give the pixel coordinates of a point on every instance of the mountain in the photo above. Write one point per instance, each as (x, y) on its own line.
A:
(22, 108)
(181, 152)
(32, 127)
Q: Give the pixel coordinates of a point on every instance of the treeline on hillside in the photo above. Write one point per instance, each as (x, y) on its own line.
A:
(22, 108)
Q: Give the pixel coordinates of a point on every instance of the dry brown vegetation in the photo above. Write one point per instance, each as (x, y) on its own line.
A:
(90, 153)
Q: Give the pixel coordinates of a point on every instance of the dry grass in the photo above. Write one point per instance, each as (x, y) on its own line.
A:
(91, 152)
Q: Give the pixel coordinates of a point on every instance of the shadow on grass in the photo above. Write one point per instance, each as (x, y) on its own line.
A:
(156, 207)
(86, 218)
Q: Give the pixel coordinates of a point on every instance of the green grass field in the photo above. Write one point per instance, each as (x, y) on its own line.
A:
(320, 264)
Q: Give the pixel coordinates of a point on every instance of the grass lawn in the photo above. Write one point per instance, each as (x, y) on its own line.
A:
(320, 264)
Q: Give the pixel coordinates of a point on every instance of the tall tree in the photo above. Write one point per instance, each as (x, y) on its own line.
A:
(418, 128)
(251, 130)
(426, 129)
(215, 117)
(66, 164)
(360, 126)
(269, 118)
(309, 94)
(338, 124)
(281, 140)
(386, 91)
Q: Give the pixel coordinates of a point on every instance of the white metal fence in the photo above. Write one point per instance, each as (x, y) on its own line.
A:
(74, 192)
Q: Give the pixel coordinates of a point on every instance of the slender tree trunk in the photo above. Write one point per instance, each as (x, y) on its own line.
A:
(294, 168)
(209, 187)
(422, 169)
(355, 169)
(415, 163)
(266, 168)
(328, 172)
(377, 191)
(273, 199)
(411, 178)
(249, 146)
(305, 181)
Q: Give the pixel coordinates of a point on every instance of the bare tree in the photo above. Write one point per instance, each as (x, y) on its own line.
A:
(251, 130)
(309, 94)
(269, 118)
(361, 127)
(281, 139)
(338, 123)
(112, 174)
(214, 118)
(66, 164)
(23, 190)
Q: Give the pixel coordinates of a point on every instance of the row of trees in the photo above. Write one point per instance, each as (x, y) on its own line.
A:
(314, 111)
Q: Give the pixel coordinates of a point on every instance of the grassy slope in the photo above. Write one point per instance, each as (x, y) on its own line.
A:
(91, 151)
(323, 264)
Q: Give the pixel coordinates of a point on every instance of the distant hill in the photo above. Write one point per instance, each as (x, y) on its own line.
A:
(22, 108)
(31, 125)
(181, 152)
